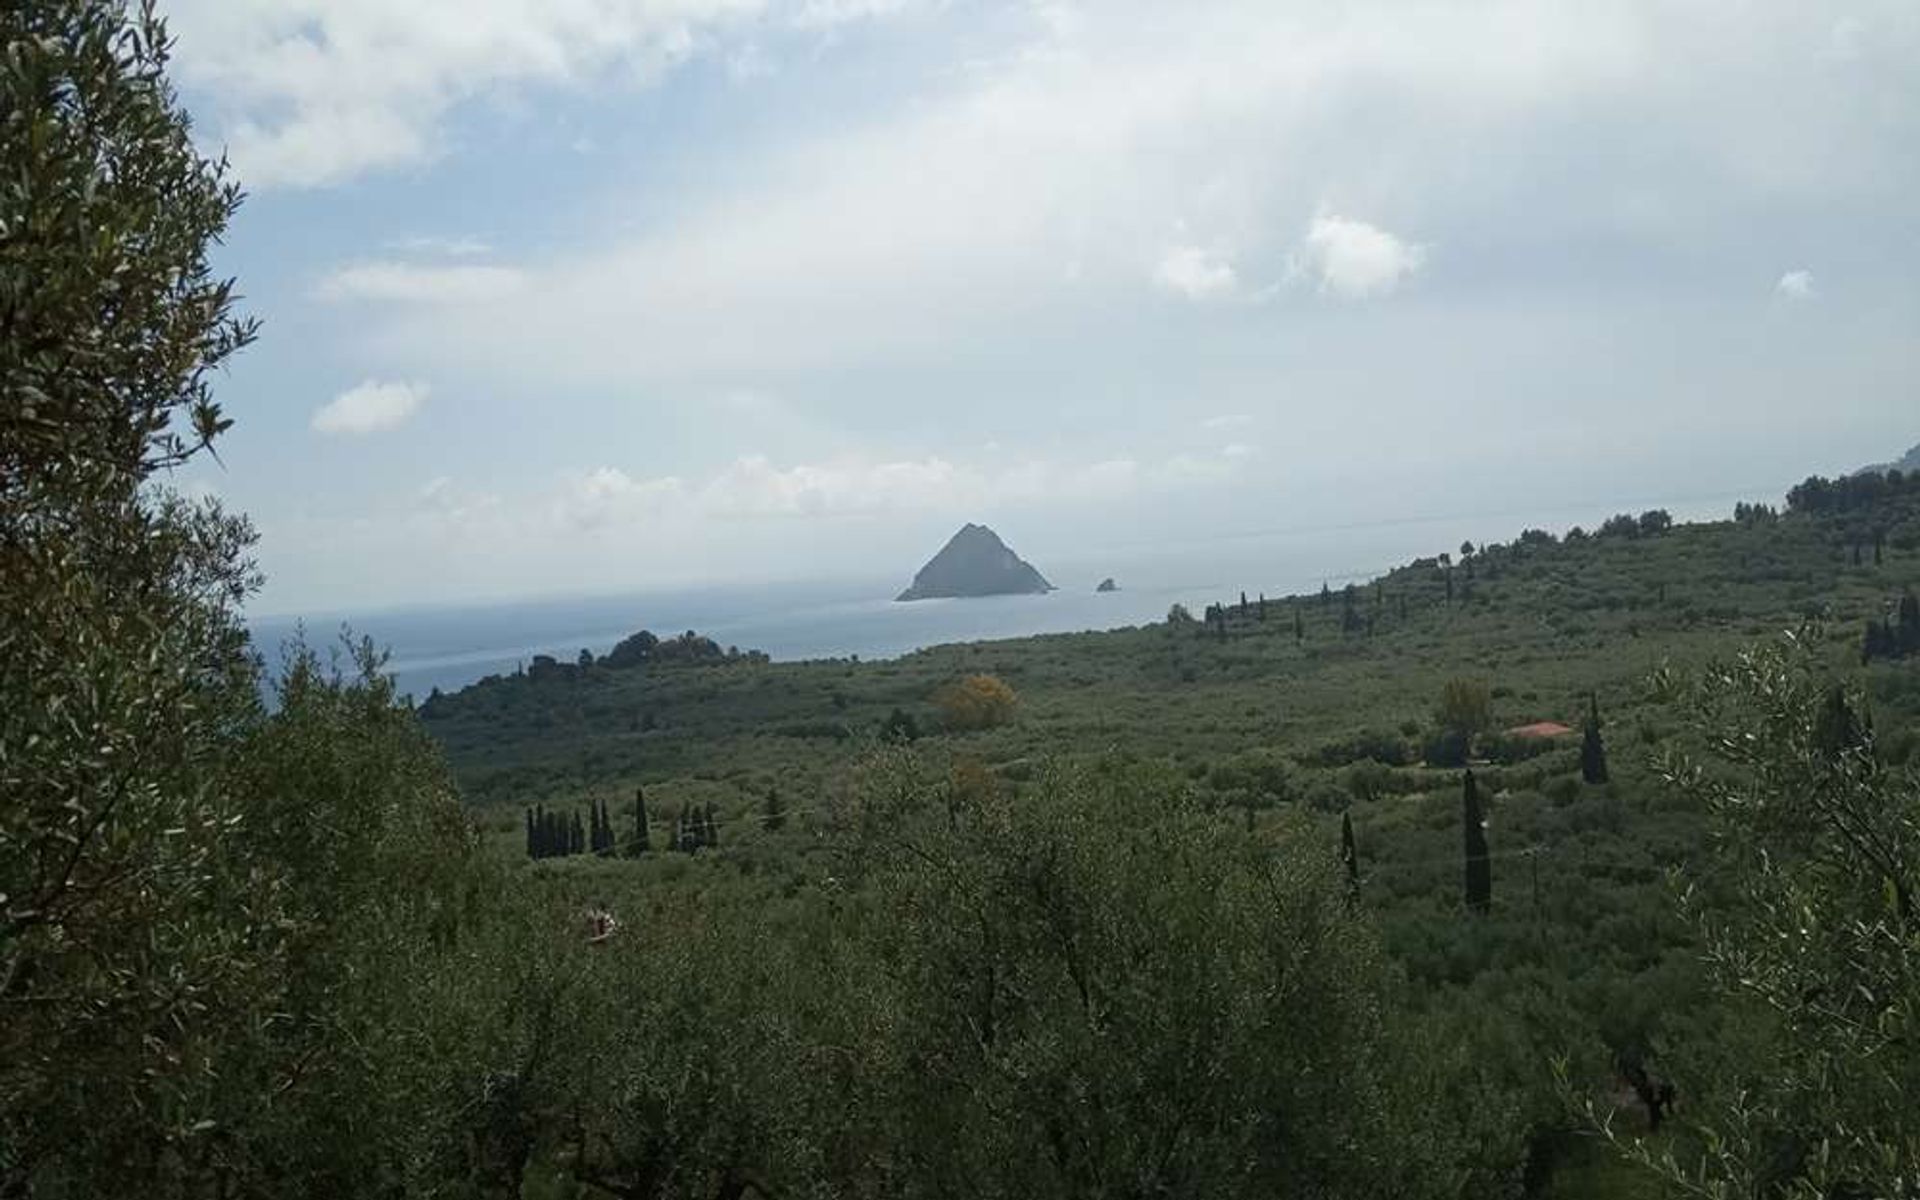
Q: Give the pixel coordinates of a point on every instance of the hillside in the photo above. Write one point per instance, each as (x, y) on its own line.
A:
(1908, 462)
(1306, 706)
(975, 562)
(1546, 620)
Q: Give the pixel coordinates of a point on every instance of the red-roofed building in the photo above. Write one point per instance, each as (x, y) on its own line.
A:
(1540, 729)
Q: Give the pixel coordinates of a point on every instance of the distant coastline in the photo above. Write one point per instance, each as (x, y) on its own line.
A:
(451, 645)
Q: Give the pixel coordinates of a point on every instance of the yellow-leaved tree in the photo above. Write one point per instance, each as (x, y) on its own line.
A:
(976, 702)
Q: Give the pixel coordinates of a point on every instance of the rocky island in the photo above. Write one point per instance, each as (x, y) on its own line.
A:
(975, 562)
(1107, 585)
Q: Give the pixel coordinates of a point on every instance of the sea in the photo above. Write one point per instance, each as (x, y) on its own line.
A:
(450, 646)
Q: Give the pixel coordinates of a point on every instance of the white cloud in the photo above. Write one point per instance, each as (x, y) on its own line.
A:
(316, 92)
(1795, 285)
(369, 408)
(411, 283)
(941, 222)
(608, 495)
(451, 247)
(753, 486)
(1195, 273)
(1227, 421)
(1355, 260)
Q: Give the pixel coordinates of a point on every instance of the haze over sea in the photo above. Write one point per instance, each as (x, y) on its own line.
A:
(449, 647)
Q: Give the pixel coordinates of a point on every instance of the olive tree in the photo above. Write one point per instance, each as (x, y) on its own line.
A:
(1102, 986)
(220, 928)
(129, 927)
(1821, 843)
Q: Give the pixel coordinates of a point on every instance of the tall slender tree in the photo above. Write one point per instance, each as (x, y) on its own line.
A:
(1479, 881)
(773, 813)
(642, 840)
(1593, 750)
(1349, 613)
(1837, 728)
(1350, 857)
(533, 845)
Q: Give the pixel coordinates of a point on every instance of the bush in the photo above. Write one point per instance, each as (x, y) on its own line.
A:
(1377, 745)
(1262, 773)
(976, 702)
(1448, 748)
(1369, 780)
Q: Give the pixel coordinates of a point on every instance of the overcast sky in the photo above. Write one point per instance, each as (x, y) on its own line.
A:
(573, 295)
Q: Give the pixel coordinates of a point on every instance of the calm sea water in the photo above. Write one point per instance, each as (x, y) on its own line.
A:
(450, 647)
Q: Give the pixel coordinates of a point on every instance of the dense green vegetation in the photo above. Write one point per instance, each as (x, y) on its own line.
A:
(1204, 908)
(1305, 712)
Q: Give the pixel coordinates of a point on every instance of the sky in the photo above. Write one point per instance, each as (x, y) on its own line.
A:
(569, 296)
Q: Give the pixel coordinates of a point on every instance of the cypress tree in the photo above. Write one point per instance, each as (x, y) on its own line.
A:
(1243, 604)
(541, 846)
(1837, 729)
(1479, 869)
(1263, 606)
(533, 845)
(1326, 595)
(1593, 751)
(576, 835)
(1350, 856)
(642, 841)
(1878, 641)
(774, 811)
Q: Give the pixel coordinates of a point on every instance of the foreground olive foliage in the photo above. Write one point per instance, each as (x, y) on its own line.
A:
(1822, 948)
(204, 924)
(1091, 988)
